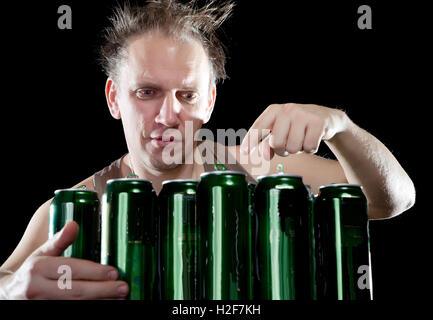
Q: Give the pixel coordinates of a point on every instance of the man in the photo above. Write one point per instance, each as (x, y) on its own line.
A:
(163, 61)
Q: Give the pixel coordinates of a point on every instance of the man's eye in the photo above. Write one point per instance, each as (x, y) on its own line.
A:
(189, 95)
(145, 93)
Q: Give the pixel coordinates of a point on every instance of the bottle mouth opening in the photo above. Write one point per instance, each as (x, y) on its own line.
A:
(223, 173)
(279, 175)
(128, 179)
(75, 189)
(340, 185)
(179, 180)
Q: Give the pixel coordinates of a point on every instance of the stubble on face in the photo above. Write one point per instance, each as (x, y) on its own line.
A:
(171, 68)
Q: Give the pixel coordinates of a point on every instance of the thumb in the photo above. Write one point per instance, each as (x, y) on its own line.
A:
(61, 240)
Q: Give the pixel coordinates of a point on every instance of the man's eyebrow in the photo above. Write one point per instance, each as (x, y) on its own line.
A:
(149, 84)
(188, 88)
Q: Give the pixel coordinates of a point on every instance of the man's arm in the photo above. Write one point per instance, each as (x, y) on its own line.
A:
(31, 274)
(367, 162)
(35, 234)
(362, 159)
(315, 171)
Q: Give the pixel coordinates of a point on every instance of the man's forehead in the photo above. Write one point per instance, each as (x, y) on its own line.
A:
(157, 58)
(190, 80)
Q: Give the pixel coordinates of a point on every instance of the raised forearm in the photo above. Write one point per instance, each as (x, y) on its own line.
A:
(364, 159)
(367, 162)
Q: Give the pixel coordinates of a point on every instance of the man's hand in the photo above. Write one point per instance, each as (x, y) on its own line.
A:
(294, 128)
(37, 278)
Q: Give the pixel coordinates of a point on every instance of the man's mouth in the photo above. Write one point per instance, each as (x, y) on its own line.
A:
(167, 138)
(161, 141)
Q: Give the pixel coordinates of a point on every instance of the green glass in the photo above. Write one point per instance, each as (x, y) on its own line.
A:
(284, 239)
(253, 236)
(342, 243)
(178, 239)
(81, 206)
(129, 235)
(313, 273)
(225, 270)
(312, 247)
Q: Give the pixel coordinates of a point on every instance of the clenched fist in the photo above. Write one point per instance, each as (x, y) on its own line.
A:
(294, 128)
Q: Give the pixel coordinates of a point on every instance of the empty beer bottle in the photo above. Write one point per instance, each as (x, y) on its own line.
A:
(284, 238)
(178, 239)
(129, 234)
(225, 236)
(81, 206)
(342, 243)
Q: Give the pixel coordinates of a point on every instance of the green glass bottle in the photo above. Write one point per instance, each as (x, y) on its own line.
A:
(225, 269)
(178, 239)
(284, 239)
(253, 235)
(81, 206)
(129, 235)
(342, 243)
(312, 247)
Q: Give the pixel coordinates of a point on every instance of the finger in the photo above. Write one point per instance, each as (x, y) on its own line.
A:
(264, 121)
(80, 290)
(80, 269)
(61, 240)
(279, 135)
(266, 150)
(313, 136)
(295, 140)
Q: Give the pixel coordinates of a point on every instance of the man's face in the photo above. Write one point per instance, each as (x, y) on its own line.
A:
(162, 84)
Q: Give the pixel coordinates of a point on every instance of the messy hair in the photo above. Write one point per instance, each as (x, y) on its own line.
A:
(174, 19)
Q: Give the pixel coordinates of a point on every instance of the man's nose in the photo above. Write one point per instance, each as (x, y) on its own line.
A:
(168, 114)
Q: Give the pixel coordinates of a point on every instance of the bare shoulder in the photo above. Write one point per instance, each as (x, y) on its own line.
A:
(88, 182)
(315, 170)
(36, 232)
(234, 151)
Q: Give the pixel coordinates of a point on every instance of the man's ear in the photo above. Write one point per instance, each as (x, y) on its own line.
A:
(111, 92)
(211, 104)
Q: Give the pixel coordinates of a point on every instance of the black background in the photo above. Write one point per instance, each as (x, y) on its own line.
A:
(56, 128)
